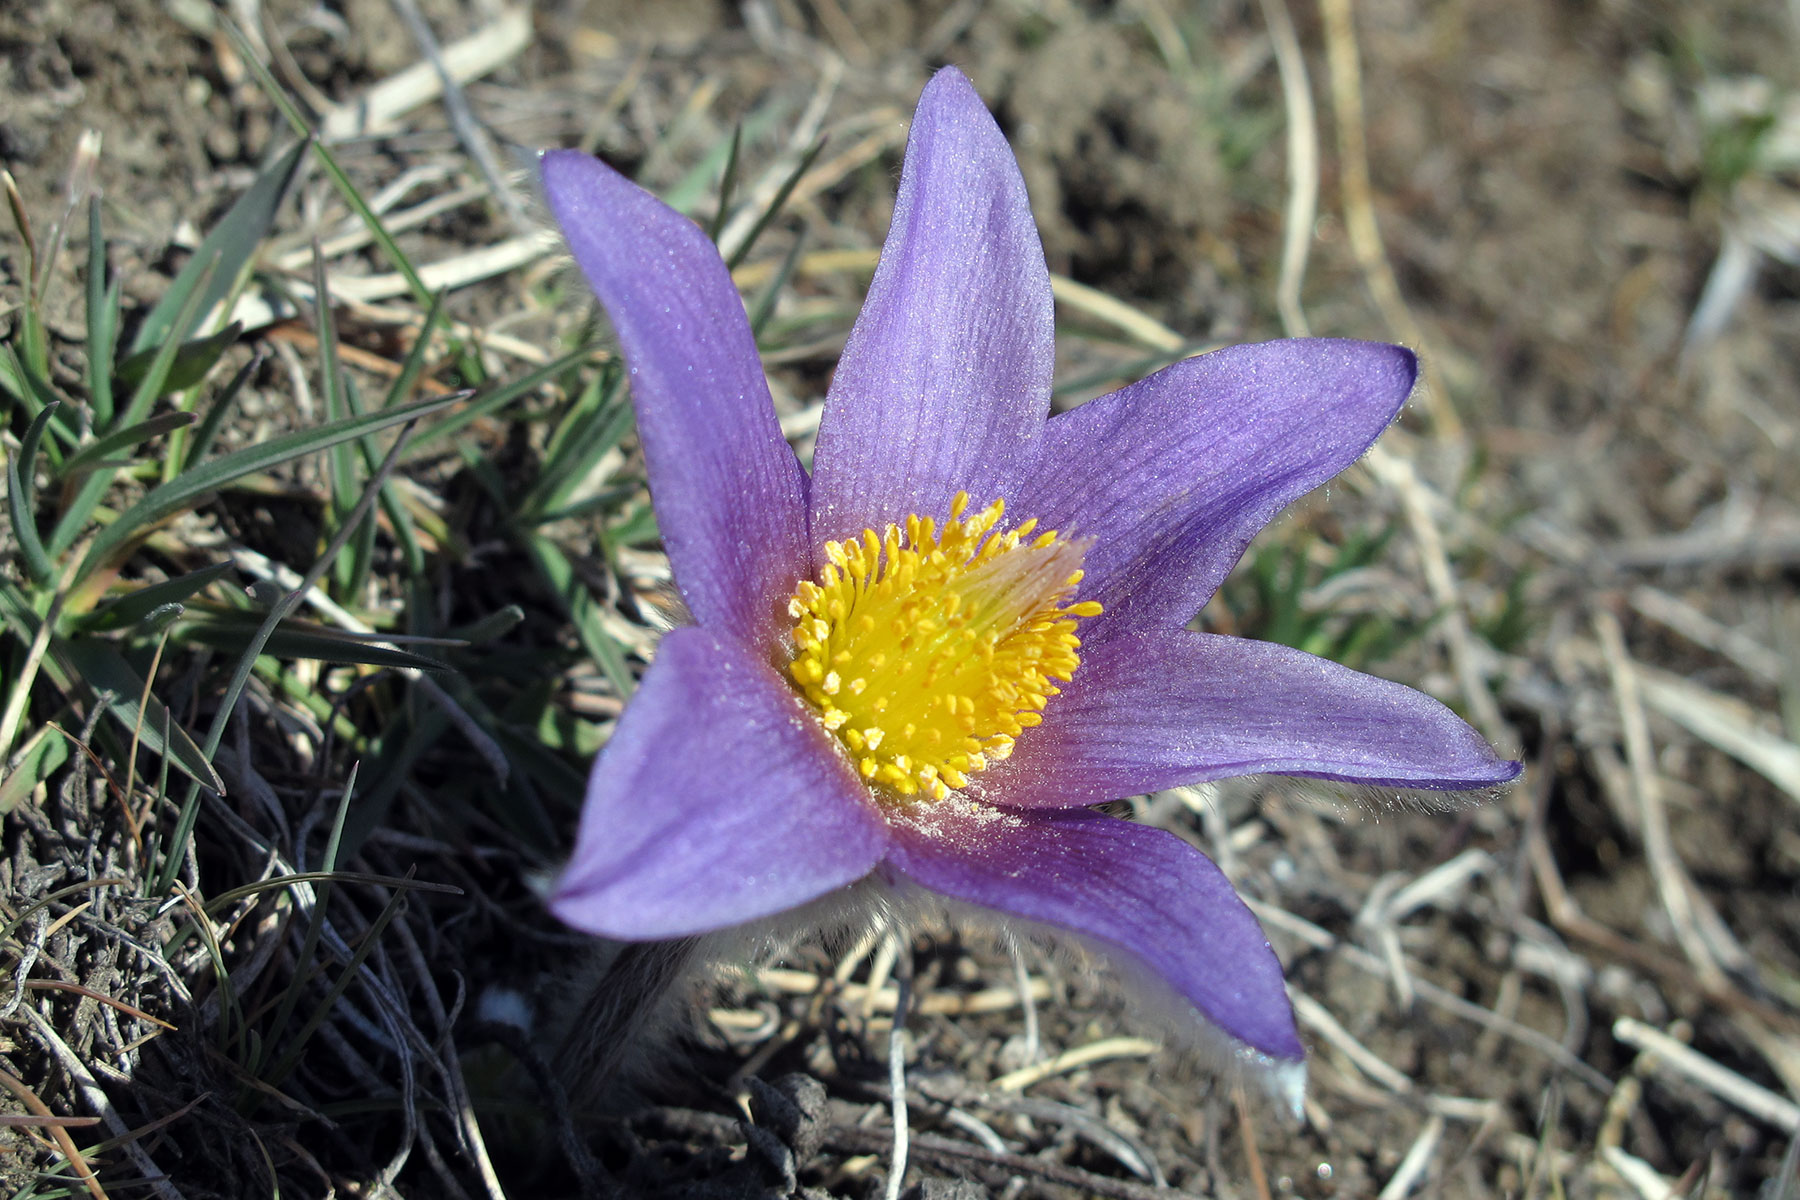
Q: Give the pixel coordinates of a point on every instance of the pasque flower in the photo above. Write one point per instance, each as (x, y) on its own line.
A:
(921, 665)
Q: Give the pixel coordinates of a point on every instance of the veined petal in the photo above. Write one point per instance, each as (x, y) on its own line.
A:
(945, 381)
(719, 800)
(1156, 709)
(730, 495)
(1239, 434)
(1134, 890)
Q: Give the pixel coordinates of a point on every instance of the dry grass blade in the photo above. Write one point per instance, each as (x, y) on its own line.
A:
(97, 1099)
(1673, 885)
(1417, 1161)
(1359, 207)
(466, 59)
(1726, 724)
(58, 1127)
(1079, 1056)
(1302, 165)
(1722, 1082)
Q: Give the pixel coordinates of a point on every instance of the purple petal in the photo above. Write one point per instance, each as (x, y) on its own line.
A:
(719, 800)
(1175, 474)
(945, 381)
(1128, 887)
(730, 495)
(1151, 710)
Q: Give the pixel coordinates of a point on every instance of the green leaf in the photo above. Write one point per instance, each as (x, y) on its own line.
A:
(495, 624)
(488, 402)
(190, 485)
(294, 639)
(30, 388)
(215, 416)
(74, 519)
(102, 669)
(181, 837)
(637, 529)
(687, 192)
(584, 611)
(728, 184)
(290, 1059)
(102, 321)
(569, 462)
(764, 308)
(231, 245)
(135, 606)
(42, 754)
(96, 451)
(192, 361)
(769, 214)
(348, 190)
(414, 366)
(21, 473)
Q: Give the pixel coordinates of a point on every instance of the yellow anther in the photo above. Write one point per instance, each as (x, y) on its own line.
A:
(928, 649)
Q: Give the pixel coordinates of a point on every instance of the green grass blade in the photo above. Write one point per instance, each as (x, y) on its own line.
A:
(21, 505)
(34, 392)
(75, 517)
(191, 364)
(291, 1057)
(414, 366)
(223, 257)
(231, 1010)
(208, 432)
(398, 517)
(770, 213)
(727, 184)
(687, 192)
(315, 926)
(639, 527)
(348, 190)
(594, 396)
(583, 611)
(31, 322)
(222, 901)
(190, 485)
(362, 544)
(135, 606)
(43, 753)
(102, 321)
(764, 308)
(190, 805)
(149, 387)
(290, 641)
(495, 624)
(344, 485)
(488, 402)
(572, 467)
(96, 451)
(102, 669)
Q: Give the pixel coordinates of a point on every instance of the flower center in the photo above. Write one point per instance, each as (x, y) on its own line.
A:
(928, 651)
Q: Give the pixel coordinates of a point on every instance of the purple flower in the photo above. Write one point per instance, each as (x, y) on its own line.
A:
(921, 664)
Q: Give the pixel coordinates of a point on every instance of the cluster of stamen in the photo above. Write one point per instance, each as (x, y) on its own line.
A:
(927, 650)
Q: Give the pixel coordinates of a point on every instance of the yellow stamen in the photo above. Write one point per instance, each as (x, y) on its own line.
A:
(928, 650)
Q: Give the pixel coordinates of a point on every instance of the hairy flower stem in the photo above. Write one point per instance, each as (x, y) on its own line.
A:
(622, 1015)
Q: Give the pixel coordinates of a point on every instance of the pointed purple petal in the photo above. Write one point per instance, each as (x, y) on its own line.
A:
(945, 381)
(730, 495)
(1129, 888)
(1175, 474)
(719, 800)
(1151, 710)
